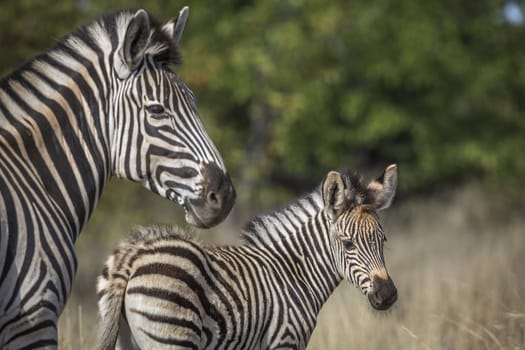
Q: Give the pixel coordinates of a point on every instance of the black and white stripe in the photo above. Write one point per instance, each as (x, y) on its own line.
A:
(102, 102)
(263, 294)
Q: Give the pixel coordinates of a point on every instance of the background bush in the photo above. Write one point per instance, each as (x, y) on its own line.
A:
(290, 89)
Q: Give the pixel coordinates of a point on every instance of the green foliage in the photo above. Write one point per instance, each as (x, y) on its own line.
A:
(29, 26)
(291, 89)
(309, 86)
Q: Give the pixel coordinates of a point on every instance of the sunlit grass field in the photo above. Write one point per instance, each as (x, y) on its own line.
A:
(458, 261)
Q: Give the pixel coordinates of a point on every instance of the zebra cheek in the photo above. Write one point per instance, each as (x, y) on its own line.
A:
(347, 273)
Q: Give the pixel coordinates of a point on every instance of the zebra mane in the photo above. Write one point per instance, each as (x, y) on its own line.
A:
(144, 235)
(273, 226)
(102, 36)
(112, 26)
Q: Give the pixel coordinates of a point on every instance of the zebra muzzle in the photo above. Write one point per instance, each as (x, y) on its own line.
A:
(215, 202)
(384, 294)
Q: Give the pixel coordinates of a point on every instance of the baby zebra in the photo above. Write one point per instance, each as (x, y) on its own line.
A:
(265, 293)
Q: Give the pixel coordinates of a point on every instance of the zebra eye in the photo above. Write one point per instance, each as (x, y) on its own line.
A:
(348, 244)
(155, 109)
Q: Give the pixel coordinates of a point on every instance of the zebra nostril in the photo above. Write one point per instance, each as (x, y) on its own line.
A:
(213, 199)
(216, 197)
(219, 189)
(374, 299)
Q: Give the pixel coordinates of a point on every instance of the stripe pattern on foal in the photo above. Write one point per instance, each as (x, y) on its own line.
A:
(265, 293)
(102, 102)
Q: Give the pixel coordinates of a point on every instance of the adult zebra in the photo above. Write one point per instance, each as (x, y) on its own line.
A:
(263, 294)
(102, 102)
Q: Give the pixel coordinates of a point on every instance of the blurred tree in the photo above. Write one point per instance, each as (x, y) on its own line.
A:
(29, 26)
(436, 87)
(290, 89)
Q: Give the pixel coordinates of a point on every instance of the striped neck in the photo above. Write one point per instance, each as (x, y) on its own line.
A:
(297, 242)
(53, 115)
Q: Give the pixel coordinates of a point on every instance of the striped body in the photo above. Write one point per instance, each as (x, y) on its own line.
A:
(102, 102)
(263, 294)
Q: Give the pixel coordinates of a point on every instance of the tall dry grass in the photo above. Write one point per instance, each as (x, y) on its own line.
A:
(458, 262)
(460, 273)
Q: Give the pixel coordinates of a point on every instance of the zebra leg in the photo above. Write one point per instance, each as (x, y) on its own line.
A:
(34, 328)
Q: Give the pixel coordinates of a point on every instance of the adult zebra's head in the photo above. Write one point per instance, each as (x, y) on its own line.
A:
(356, 234)
(159, 139)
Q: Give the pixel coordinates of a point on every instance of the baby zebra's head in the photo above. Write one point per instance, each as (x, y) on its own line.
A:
(356, 234)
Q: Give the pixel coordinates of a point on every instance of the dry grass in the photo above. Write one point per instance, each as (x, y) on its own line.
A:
(460, 278)
(458, 264)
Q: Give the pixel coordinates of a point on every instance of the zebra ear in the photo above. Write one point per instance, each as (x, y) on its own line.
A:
(334, 194)
(384, 187)
(133, 47)
(175, 27)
